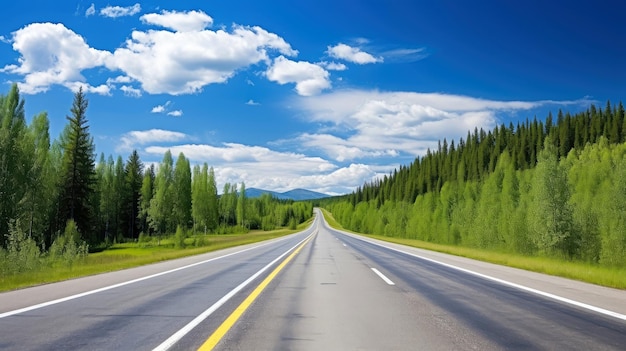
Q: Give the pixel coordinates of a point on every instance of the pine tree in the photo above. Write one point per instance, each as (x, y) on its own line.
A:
(133, 173)
(77, 181)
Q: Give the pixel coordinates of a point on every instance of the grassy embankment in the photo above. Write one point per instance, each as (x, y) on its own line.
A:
(595, 274)
(128, 255)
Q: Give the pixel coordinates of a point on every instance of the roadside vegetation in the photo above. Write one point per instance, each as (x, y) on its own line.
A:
(614, 277)
(554, 194)
(62, 214)
(30, 267)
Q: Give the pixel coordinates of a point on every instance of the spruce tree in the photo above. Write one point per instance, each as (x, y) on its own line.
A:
(77, 183)
(133, 172)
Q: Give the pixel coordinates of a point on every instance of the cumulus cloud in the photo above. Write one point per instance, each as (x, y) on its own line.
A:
(184, 62)
(352, 54)
(132, 139)
(264, 168)
(160, 108)
(91, 10)
(310, 79)
(252, 103)
(53, 54)
(130, 91)
(369, 124)
(333, 66)
(179, 21)
(165, 108)
(119, 11)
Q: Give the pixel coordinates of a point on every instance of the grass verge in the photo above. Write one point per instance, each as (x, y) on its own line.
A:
(128, 255)
(606, 276)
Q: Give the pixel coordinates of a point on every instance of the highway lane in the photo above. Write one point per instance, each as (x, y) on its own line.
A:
(139, 315)
(338, 293)
(329, 298)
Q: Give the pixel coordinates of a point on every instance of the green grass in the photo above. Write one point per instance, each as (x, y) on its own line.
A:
(128, 255)
(591, 273)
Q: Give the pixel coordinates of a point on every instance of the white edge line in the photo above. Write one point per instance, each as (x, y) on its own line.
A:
(382, 276)
(165, 345)
(91, 292)
(504, 282)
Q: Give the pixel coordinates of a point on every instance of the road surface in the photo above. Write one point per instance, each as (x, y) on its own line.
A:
(338, 292)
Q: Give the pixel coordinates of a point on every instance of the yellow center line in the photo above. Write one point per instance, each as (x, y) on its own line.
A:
(221, 331)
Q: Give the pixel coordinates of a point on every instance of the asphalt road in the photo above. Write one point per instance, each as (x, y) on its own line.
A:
(330, 298)
(338, 293)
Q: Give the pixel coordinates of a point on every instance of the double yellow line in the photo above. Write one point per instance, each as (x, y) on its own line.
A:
(221, 331)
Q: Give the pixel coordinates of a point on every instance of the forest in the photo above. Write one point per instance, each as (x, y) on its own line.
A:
(554, 189)
(56, 200)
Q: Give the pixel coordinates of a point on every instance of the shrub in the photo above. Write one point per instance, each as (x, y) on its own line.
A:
(68, 247)
(22, 253)
(179, 238)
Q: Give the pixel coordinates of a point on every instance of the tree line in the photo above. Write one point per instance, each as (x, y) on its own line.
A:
(537, 189)
(54, 190)
(474, 157)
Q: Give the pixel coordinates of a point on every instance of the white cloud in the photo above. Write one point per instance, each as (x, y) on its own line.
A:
(91, 10)
(370, 124)
(130, 91)
(102, 89)
(160, 108)
(310, 79)
(119, 11)
(179, 21)
(52, 54)
(352, 54)
(264, 168)
(175, 113)
(188, 61)
(333, 66)
(252, 103)
(405, 55)
(131, 139)
(161, 61)
(119, 79)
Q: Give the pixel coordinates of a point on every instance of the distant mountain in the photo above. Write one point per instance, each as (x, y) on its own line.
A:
(295, 194)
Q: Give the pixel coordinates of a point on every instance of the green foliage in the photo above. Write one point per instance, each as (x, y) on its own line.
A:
(145, 197)
(181, 192)
(68, 247)
(574, 209)
(14, 159)
(133, 172)
(179, 238)
(22, 253)
(78, 180)
(551, 219)
(160, 212)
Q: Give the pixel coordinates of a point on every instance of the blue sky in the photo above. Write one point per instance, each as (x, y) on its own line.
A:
(323, 95)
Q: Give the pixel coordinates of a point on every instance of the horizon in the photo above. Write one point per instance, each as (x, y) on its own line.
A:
(323, 97)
